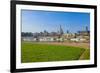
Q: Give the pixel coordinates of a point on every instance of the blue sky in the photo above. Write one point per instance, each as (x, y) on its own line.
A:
(38, 21)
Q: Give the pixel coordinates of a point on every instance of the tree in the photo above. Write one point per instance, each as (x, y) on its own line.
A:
(75, 35)
(26, 34)
(45, 33)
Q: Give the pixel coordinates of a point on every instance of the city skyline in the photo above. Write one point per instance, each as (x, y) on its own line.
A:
(38, 21)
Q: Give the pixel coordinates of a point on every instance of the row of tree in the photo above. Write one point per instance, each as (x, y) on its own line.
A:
(26, 34)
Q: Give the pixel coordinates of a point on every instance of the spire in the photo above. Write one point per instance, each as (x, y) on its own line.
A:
(67, 31)
(86, 28)
(61, 30)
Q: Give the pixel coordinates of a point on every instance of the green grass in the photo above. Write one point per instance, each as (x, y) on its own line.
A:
(36, 52)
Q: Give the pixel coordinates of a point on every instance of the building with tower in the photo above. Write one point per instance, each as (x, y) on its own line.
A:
(45, 36)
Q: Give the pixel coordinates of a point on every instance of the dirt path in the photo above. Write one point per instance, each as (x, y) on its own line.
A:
(82, 56)
(85, 55)
(82, 45)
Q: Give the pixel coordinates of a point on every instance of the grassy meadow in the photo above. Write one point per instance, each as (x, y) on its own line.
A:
(37, 52)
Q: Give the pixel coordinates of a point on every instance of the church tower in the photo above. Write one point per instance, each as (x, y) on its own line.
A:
(61, 30)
